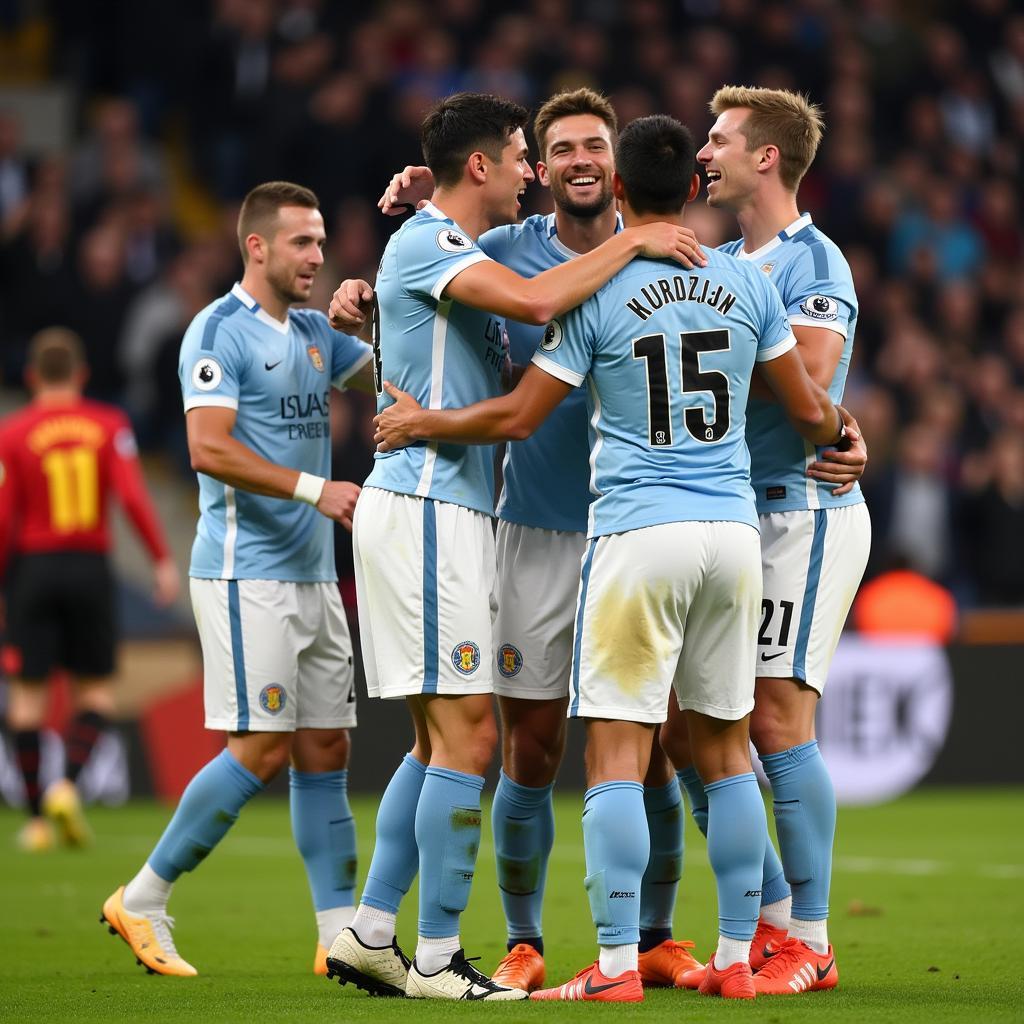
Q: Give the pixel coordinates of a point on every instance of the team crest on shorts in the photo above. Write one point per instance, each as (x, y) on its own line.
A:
(466, 657)
(510, 661)
(273, 698)
(315, 358)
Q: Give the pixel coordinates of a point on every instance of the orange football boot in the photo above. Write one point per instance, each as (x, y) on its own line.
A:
(148, 935)
(665, 964)
(735, 982)
(796, 968)
(522, 967)
(320, 961)
(767, 941)
(590, 985)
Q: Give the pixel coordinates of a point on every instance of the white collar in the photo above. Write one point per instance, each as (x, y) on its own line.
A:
(787, 232)
(257, 310)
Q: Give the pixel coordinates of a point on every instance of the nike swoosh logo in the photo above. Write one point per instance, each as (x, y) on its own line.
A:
(768, 952)
(771, 657)
(592, 990)
(270, 366)
(823, 974)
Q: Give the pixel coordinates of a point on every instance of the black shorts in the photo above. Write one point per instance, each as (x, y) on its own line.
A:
(60, 612)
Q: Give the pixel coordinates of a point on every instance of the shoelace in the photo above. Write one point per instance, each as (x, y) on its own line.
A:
(463, 967)
(406, 962)
(787, 957)
(162, 926)
(682, 946)
(514, 958)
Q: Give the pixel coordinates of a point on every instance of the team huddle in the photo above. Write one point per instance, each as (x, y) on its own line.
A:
(666, 564)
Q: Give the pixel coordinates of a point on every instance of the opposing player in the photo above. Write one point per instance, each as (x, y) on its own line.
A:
(540, 541)
(277, 658)
(670, 590)
(814, 536)
(424, 547)
(62, 460)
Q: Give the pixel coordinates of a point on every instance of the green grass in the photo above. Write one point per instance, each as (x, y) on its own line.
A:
(926, 922)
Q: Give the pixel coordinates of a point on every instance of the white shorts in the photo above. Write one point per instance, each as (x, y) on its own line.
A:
(425, 586)
(812, 563)
(276, 656)
(538, 583)
(662, 607)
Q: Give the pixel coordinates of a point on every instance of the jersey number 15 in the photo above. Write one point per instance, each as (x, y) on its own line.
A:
(651, 348)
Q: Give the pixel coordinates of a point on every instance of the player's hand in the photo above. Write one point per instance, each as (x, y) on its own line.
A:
(393, 428)
(670, 241)
(166, 582)
(338, 501)
(350, 305)
(410, 187)
(842, 469)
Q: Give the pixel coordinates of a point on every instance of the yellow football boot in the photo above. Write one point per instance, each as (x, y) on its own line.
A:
(61, 804)
(148, 935)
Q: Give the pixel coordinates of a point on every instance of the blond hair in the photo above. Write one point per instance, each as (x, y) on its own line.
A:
(569, 104)
(777, 118)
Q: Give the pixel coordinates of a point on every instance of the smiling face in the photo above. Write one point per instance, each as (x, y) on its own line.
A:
(507, 180)
(295, 253)
(730, 167)
(578, 164)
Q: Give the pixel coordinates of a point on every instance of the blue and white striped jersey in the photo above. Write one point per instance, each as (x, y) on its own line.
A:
(814, 280)
(278, 377)
(546, 477)
(667, 355)
(444, 354)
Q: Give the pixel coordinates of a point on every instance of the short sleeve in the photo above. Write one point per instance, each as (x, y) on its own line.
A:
(211, 367)
(814, 297)
(431, 253)
(567, 349)
(775, 335)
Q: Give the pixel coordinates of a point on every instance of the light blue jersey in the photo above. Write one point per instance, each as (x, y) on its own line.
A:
(667, 355)
(546, 477)
(278, 377)
(444, 354)
(814, 280)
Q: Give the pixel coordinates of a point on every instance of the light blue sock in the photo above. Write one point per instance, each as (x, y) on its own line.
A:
(325, 834)
(207, 809)
(617, 848)
(664, 808)
(737, 831)
(523, 821)
(396, 857)
(448, 834)
(690, 781)
(805, 820)
(774, 886)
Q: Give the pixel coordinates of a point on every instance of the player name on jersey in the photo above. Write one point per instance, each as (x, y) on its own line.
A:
(680, 289)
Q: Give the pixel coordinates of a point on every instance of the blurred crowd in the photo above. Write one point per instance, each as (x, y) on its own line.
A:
(128, 231)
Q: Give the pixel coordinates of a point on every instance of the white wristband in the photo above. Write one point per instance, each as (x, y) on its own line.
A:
(309, 488)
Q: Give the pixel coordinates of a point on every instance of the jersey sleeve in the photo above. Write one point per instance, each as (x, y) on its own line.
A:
(130, 486)
(817, 293)
(497, 242)
(567, 349)
(348, 354)
(210, 369)
(431, 254)
(775, 335)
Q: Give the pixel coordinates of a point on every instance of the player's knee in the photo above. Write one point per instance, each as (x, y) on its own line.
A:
(268, 761)
(321, 750)
(771, 729)
(676, 744)
(481, 745)
(532, 757)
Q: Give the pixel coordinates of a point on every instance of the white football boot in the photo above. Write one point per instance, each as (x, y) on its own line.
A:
(380, 970)
(459, 980)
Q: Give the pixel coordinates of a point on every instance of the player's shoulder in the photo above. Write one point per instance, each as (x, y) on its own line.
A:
(432, 228)
(222, 318)
(507, 238)
(312, 321)
(810, 251)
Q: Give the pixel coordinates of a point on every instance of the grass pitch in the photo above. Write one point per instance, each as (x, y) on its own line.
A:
(927, 925)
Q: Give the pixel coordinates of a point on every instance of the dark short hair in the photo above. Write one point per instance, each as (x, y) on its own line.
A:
(258, 213)
(465, 123)
(56, 354)
(655, 160)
